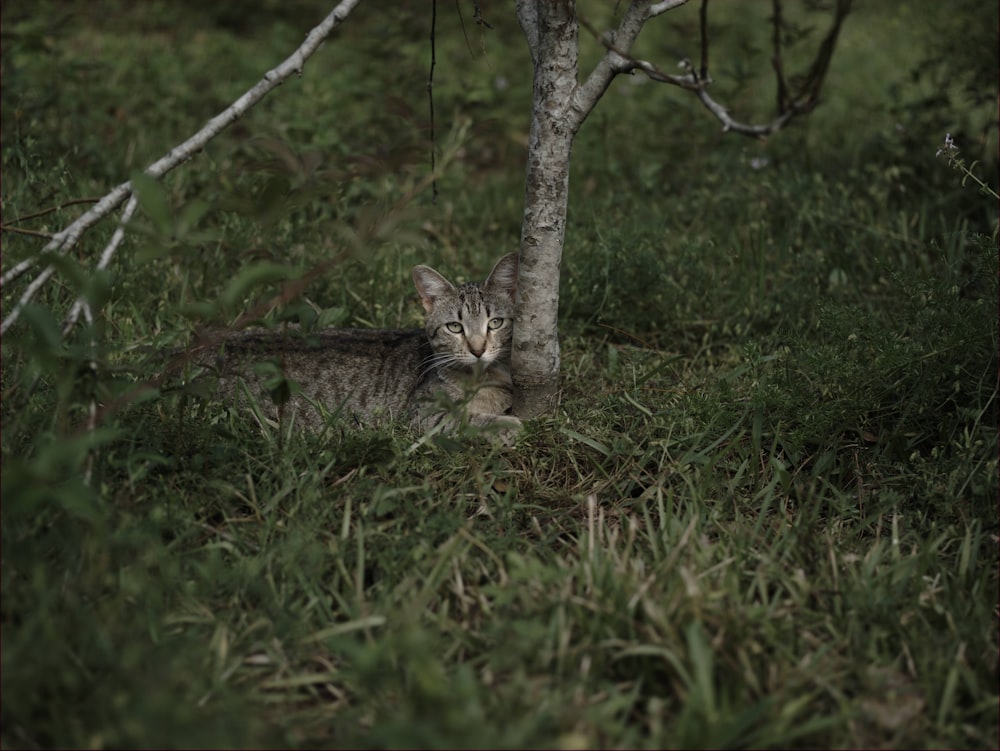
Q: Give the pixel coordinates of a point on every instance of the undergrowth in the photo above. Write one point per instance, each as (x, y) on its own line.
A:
(763, 515)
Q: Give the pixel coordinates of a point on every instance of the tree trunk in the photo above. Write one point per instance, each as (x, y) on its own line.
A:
(550, 27)
(560, 104)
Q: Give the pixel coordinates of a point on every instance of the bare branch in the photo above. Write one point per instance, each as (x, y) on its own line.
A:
(43, 212)
(62, 241)
(698, 82)
(81, 304)
(746, 129)
(663, 6)
(623, 62)
(527, 17)
(22, 231)
(616, 60)
(820, 66)
(776, 59)
(430, 83)
(32, 289)
(703, 25)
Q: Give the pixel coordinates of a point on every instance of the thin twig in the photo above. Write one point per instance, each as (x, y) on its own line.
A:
(477, 16)
(703, 23)
(461, 21)
(43, 212)
(820, 66)
(777, 59)
(430, 90)
(22, 231)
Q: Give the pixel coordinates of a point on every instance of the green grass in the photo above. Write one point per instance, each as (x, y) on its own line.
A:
(764, 514)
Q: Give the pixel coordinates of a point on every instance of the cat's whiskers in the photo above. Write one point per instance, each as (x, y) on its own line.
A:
(435, 361)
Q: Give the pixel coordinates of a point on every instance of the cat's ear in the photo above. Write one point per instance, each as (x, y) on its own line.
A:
(504, 275)
(430, 286)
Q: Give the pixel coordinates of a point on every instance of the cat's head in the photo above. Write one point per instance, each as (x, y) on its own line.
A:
(469, 325)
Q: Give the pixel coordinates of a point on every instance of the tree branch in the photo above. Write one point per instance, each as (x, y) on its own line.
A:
(49, 210)
(703, 25)
(22, 231)
(662, 7)
(745, 129)
(527, 17)
(62, 241)
(616, 60)
(776, 59)
(81, 304)
(820, 66)
(699, 81)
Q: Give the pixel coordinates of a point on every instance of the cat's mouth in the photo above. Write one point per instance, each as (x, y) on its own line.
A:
(469, 361)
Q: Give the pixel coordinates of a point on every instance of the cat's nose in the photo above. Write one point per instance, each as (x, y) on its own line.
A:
(477, 346)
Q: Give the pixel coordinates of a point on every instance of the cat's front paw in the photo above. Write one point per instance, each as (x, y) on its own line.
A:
(504, 429)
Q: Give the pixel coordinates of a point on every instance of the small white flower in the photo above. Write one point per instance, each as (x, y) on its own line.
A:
(949, 145)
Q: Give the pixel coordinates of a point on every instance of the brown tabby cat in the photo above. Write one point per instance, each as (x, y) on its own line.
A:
(455, 368)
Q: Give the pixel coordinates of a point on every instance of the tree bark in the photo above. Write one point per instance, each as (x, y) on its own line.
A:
(550, 27)
(559, 107)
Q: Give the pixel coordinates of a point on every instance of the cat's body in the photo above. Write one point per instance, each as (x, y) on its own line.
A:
(425, 378)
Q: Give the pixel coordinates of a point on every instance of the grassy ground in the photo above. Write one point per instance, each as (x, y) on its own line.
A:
(765, 513)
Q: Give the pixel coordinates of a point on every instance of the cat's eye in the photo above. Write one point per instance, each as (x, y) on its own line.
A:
(495, 323)
(454, 327)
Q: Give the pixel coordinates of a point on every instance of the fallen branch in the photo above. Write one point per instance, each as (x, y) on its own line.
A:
(64, 240)
(81, 304)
